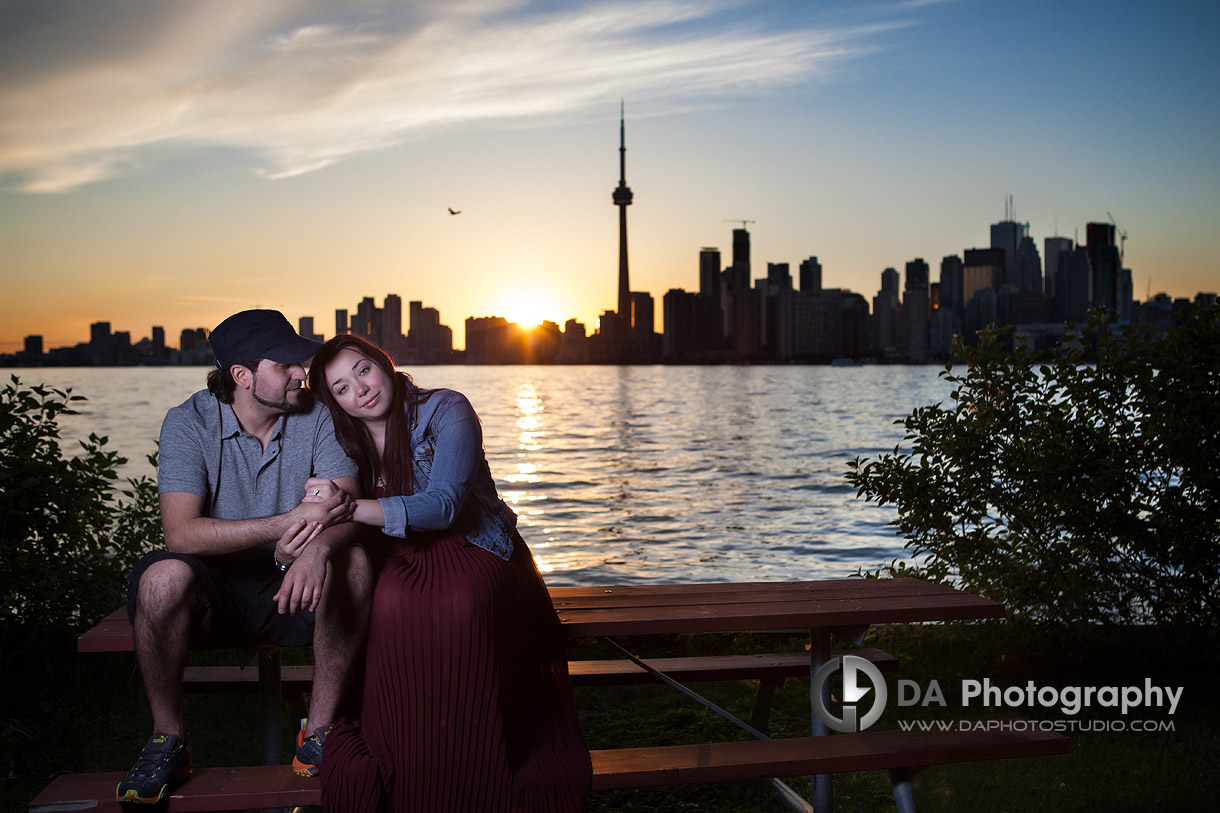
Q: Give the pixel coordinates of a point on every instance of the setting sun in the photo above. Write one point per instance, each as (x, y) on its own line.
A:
(529, 309)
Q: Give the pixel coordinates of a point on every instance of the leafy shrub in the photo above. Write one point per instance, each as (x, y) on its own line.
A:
(1082, 489)
(68, 535)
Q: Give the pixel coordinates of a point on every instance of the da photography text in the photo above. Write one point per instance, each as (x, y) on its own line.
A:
(864, 697)
(1068, 699)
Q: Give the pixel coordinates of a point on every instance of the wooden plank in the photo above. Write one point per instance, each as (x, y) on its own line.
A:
(740, 592)
(111, 634)
(659, 609)
(259, 786)
(775, 666)
(294, 679)
(590, 623)
(715, 667)
(754, 759)
(277, 786)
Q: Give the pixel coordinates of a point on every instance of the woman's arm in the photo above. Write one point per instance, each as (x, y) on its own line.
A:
(456, 459)
(366, 511)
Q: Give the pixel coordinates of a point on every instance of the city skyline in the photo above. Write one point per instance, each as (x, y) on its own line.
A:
(262, 169)
(780, 317)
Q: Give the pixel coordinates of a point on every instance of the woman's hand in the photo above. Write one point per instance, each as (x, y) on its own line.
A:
(366, 512)
(319, 489)
(324, 502)
(299, 534)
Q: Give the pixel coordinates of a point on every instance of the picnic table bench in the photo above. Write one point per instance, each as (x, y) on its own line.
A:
(273, 679)
(843, 608)
(262, 786)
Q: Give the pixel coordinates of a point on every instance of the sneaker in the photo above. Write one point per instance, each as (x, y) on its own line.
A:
(165, 760)
(309, 750)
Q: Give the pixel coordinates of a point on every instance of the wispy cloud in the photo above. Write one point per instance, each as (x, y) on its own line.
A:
(90, 89)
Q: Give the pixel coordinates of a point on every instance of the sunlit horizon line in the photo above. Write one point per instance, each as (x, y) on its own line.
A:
(521, 324)
(527, 324)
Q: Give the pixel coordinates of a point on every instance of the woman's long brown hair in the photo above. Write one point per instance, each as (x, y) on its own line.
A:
(396, 463)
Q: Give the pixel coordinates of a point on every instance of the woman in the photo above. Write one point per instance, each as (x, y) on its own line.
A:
(467, 703)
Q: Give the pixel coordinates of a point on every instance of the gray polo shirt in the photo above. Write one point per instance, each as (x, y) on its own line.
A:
(204, 452)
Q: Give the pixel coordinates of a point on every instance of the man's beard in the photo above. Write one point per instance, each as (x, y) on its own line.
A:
(303, 404)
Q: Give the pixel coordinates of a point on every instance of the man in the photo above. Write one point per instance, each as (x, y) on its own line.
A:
(247, 561)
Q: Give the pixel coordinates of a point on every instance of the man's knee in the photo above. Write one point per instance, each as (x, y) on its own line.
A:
(165, 586)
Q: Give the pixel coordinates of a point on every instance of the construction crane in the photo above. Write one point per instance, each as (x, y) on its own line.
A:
(1122, 236)
(739, 220)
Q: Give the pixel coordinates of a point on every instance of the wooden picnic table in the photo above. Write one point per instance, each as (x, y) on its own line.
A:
(591, 611)
(662, 609)
(826, 608)
(838, 607)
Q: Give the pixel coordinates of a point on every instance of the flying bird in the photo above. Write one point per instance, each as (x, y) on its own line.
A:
(453, 212)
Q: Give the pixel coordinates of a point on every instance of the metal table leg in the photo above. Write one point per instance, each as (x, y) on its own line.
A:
(819, 654)
(271, 701)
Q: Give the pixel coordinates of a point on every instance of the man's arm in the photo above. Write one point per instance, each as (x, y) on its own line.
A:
(187, 530)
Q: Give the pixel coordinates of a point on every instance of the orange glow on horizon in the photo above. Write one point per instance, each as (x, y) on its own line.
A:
(529, 309)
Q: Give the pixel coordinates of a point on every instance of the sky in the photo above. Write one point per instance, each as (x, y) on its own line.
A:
(172, 163)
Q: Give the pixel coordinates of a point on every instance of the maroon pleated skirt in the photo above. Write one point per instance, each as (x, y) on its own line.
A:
(466, 704)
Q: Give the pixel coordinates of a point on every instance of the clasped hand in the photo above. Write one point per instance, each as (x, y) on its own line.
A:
(324, 505)
(325, 502)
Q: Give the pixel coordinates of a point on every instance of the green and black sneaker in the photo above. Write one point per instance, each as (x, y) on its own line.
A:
(165, 760)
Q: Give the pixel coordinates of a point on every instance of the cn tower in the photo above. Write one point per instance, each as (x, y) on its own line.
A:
(622, 199)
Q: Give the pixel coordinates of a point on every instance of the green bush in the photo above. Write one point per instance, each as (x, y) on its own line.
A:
(68, 533)
(1085, 488)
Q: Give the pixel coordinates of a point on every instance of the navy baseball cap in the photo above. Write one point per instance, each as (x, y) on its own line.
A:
(259, 334)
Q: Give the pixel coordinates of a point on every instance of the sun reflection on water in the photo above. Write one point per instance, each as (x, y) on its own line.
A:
(529, 418)
(530, 441)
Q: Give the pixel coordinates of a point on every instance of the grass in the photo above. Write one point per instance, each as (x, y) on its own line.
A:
(67, 712)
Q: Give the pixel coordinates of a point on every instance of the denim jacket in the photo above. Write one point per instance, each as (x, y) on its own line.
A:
(453, 484)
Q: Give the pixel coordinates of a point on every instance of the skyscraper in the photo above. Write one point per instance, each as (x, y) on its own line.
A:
(1007, 236)
(1073, 286)
(709, 306)
(1097, 235)
(779, 275)
(739, 273)
(305, 328)
(1029, 266)
(709, 273)
(811, 275)
(679, 311)
(951, 280)
(885, 307)
(916, 309)
(1055, 246)
(622, 199)
(367, 321)
(391, 320)
(158, 343)
(983, 268)
(917, 275)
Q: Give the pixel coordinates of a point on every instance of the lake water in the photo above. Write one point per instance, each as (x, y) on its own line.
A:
(635, 473)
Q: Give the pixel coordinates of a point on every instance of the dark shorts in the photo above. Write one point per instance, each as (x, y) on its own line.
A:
(233, 602)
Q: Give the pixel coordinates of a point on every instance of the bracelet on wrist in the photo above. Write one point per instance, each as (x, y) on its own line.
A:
(283, 567)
